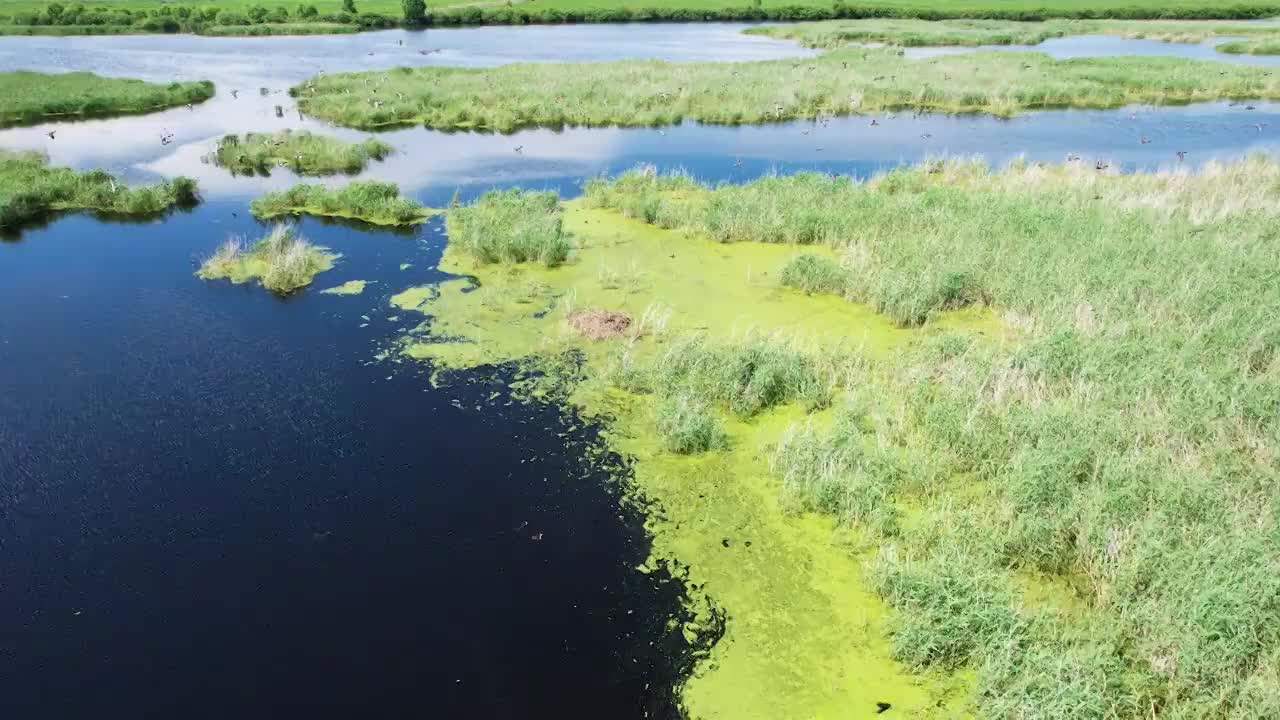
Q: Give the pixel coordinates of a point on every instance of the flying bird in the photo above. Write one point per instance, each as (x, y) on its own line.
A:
(50, 134)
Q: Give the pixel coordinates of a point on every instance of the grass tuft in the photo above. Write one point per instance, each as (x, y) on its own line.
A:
(283, 261)
(814, 274)
(687, 426)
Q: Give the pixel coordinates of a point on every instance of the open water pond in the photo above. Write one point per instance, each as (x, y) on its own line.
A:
(215, 502)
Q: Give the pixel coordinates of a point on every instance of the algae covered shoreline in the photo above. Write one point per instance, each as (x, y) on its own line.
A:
(802, 633)
(932, 490)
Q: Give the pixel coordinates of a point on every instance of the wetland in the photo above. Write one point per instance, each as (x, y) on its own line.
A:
(636, 404)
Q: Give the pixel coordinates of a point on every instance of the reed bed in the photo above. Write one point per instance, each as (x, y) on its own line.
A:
(32, 97)
(840, 82)
(1082, 514)
(300, 151)
(370, 201)
(30, 190)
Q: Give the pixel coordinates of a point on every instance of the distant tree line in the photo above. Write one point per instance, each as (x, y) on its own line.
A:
(188, 18)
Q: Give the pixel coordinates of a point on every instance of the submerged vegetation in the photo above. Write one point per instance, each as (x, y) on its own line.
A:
(511, 226)
(300, 151)
(31, 97)
(370, 201)
(30, 189)
(1073, 507)
(839, 82)
(283, 261)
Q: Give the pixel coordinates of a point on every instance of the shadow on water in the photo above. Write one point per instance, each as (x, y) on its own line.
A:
(214, 503)
(41, 221)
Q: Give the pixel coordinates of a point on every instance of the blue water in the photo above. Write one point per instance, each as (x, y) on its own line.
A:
(214, 503)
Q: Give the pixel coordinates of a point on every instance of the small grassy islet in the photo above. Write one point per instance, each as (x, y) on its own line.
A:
(32, 97)
(371, 201)
(300, 151)
(924, 33)
(30, 189)
(282, 262)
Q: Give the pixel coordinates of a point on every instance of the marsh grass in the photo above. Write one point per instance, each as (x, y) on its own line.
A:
(905, 32)
(283, 261)
(371, 201)
(1267, 46)
(301, 151)
(1122, 439)
(511, 226)
(839, 82)
(31, 97)
(30, 189)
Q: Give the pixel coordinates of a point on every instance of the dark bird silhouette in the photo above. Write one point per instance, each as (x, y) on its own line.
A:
(874, 122)
(519, 148)
(1100, 165)
(235, 93)
(1182, 155)
(882, 706)
(50, 134)
(1072, 157)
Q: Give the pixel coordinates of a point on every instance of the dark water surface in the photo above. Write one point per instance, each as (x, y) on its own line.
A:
(215, 503)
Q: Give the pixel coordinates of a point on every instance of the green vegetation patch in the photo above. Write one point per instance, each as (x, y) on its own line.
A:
(1266, 46)
(300, 151)
(370, 201)
(839, 82)
(30, 189)
(283, 261)
(511, 226)
(924, 33)
(350, 287)
(1041, 481)
(31, 97)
